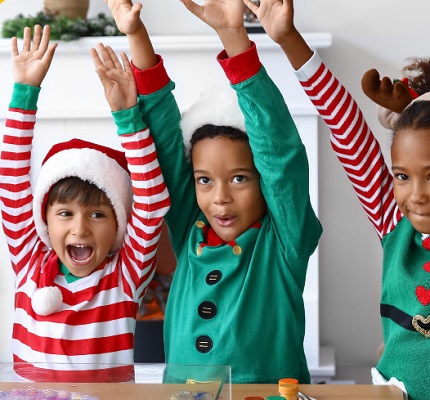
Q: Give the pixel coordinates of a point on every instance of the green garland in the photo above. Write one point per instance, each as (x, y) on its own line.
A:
(62, 28)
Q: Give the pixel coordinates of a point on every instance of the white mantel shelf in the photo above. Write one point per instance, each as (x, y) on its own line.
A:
(175, 43)
(174, 50)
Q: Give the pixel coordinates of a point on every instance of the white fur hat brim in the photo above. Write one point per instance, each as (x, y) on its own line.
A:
(92, 166)
(216, 106)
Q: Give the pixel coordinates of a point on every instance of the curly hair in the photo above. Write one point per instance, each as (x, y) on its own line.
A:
(418, 74)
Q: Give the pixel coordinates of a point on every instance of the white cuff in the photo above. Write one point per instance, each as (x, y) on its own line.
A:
(309, 68)
(378, 379)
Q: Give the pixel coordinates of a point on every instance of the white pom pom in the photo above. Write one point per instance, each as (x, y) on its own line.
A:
(47, 300)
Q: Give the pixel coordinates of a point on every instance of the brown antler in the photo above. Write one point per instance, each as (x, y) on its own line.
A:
(395, 97)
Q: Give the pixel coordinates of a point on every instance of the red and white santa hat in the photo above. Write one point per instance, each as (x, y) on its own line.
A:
(102, 166)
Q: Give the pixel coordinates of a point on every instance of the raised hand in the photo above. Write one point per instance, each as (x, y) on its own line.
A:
(117, 79)
(126, 15)
(31, 65)
(226, 18)
(276, 17)
(218, 14)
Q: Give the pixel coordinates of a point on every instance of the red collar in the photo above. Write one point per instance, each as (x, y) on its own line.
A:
(212, 239)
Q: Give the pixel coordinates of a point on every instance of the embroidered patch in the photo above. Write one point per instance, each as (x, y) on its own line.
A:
(423, 295)
(418, 321)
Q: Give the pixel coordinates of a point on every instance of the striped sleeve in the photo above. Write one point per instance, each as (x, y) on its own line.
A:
(15, 189)
(354, 144)
(151, 202)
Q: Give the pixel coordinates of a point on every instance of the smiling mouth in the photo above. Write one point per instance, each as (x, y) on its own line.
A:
(79, 253)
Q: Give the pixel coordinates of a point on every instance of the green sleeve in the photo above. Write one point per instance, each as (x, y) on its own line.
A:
(280, 157)
(161, 113)
(24, 96)
(128, 121)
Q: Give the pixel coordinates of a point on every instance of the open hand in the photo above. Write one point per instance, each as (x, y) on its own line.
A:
(126, 15)
(117, 79)
(276, 17)
(31, 64)
(218, 14)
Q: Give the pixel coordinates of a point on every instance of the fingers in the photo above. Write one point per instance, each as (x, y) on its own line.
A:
(113, 58)
(14, 46)
(126, 62)
(26, 41)
(37, 36)
(43, 41)
(105, 58)
(193, 7)
(251, 5)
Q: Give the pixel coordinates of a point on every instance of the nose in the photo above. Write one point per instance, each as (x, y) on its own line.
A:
(222, 194)
(420, 192)
(79, 226)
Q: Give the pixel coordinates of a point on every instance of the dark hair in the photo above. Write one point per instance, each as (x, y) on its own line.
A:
(418, 74)
(210, 131)
(416, 116)
(76, 189)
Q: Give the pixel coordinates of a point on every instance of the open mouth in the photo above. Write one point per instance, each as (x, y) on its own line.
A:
(224, 220)
(79, 253)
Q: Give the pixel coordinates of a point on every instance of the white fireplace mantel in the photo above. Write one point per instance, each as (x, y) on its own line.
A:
(72, 104)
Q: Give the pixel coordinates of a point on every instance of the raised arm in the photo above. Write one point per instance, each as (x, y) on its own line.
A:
(127, 18)
(351, 138)
(29, 67)
(277, 19)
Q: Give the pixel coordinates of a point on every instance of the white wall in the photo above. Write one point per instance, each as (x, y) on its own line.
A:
(366, 34)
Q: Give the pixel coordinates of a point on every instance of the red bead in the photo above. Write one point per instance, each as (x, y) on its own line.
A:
(426, 267)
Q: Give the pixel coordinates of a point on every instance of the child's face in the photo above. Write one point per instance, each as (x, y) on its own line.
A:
(410, 155)
(227, 186)
(81, 235)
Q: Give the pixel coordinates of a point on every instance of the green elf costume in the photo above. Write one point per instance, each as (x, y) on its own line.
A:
(238, 303)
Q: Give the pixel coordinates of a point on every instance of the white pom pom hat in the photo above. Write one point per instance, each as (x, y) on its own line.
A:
(216, 106)
(102, 166)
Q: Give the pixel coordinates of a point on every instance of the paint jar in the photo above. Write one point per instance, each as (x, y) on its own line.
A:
(288, 388)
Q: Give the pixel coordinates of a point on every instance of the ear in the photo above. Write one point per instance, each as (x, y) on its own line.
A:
(394, 97)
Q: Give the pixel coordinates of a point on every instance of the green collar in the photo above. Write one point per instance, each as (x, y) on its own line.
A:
(67, 274)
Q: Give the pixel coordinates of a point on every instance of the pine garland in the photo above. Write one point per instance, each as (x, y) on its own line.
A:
(62, 28)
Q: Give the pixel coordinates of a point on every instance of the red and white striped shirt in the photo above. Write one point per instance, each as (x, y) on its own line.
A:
(354, 144)
(94, 329)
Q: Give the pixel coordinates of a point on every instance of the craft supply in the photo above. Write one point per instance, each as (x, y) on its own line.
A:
(43, 394)
(288, 388)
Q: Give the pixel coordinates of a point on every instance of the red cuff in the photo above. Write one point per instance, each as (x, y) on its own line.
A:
(241, 67)
(152, 79)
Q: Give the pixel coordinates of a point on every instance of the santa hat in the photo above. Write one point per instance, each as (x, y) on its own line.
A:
(102, 166)
(216, 106)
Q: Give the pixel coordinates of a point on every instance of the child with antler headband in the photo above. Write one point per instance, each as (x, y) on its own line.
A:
(397, 204)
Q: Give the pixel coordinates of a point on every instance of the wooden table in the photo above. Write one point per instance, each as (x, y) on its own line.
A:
(145, 391)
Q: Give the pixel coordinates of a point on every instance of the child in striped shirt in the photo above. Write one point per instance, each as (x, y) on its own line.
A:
(83, 241)
(397, 204)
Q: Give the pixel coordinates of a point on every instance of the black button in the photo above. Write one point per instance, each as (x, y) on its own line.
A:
(207, 310)
(204, 344)
(213, 277)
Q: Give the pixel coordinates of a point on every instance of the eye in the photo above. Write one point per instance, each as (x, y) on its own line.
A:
(64, 213)
(402, 177)
(239, 179)
(97, 214)
(203, 180)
